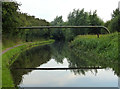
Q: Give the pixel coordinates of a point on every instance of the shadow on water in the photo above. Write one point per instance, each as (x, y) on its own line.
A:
(37, 56)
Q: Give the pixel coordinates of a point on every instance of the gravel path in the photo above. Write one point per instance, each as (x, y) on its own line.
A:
(10, 49)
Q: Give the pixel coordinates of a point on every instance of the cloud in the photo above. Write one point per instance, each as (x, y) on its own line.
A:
(49, 9)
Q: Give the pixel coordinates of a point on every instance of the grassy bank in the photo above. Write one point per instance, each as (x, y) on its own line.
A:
(10, 42)
(105, 47)
(10, 56)
(95, 51)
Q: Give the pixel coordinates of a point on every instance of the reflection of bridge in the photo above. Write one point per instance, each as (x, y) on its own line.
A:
(48, 27)
(85, 67)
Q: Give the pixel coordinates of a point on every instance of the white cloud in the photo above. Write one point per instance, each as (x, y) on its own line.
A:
(49, 9)
(67, 79)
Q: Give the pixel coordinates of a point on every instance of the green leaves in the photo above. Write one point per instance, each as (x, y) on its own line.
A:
(57, 33)
(9, 14)
(76, 18)
(80, 17)
(12, 19)
(114, 23)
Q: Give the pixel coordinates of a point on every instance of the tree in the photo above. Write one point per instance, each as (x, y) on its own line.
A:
(95, 21)
(57, 33)
(78, 18)
(115, 13)
(9, 15)
(114, 24)
(13, 18)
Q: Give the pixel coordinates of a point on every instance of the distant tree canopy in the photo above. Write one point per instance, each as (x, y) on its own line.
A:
(114, 23)
(12, 18)
(57, 33)
(77, 18)
(115, 13)
(58, 21)
(9, 17)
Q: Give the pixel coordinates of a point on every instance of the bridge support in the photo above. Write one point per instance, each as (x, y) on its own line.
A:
(97, 35)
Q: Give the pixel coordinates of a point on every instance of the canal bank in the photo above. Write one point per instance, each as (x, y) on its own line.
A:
(10, 56)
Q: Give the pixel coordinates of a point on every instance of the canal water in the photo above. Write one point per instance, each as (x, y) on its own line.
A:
(60, 55)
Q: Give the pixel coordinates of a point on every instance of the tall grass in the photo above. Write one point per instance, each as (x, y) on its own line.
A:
(105, 47)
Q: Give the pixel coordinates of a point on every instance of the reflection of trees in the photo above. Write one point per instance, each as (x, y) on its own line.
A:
(61, 50)
(78, 58)
(30, 59)
(89, 58)
(75, 61)
(57, 51)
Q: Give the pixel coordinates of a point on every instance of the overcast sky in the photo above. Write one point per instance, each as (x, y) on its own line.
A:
(49, 9)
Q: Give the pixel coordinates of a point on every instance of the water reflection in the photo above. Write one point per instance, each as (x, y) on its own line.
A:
(61, 56)
(30, 58)
(68, 79)
(53, 64)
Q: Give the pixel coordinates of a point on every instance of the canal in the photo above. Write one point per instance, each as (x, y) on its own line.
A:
(60, 55)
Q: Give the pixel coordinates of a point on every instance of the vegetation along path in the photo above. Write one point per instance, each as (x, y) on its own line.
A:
(9, 55)
(4, 51)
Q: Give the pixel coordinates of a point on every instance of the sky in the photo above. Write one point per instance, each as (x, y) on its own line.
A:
(49, 9)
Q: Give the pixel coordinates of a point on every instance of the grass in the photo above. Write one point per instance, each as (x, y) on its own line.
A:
(104, 47)
(9, 42)
(101, 51)
(10, 56)
(6, 43)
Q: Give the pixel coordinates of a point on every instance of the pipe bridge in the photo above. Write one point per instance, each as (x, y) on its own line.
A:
(48, 27)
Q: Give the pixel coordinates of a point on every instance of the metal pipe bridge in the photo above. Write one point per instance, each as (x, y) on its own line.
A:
(48, 27)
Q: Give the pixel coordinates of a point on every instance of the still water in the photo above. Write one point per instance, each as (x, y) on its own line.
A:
(60, 55)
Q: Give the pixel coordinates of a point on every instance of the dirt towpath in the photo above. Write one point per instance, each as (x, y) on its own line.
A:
(4, 51)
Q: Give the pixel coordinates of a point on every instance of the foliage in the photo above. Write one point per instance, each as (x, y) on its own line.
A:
(13, 18)
(116, 12)
(57, 33)
(114, 23)
(101, 51)
(95, 21)
(104, 47)
(80, 17)
(77, 18)
(9, 18)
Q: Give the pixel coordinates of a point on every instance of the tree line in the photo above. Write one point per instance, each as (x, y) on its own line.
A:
(82, 18)
(13, 18)
(114, 24)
